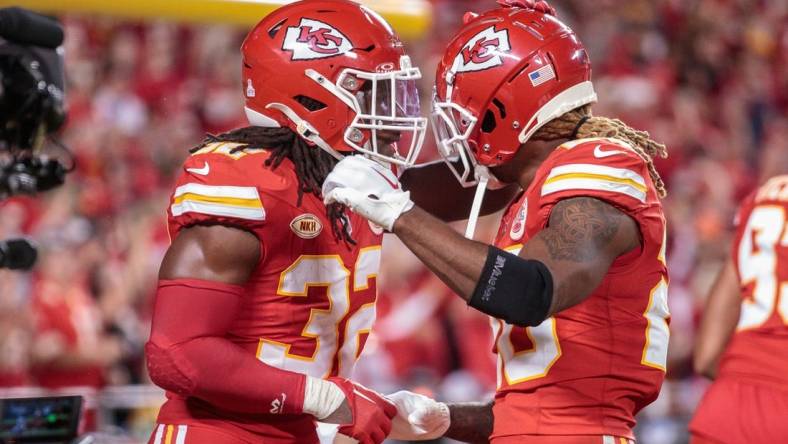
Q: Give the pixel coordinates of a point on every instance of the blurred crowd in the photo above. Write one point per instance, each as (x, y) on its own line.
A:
(707, 77)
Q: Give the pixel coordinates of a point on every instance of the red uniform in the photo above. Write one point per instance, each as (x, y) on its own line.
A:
(589, 369)
(748, 402)
(309, 304)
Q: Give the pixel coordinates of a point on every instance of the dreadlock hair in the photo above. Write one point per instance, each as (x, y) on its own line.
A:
(312, 164)
(581, 124)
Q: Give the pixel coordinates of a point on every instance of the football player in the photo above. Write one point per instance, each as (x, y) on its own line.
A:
(266, 295)
(743, 335)
(576, 279)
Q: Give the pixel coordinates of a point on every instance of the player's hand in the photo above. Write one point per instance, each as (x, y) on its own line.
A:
(369, 189)
(369, 418)
(348, 173)
(418, 417)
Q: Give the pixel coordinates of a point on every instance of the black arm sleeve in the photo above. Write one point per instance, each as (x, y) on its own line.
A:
(516, 290)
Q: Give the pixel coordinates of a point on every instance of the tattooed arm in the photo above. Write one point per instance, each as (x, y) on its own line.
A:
(583, 237)
(470, 422)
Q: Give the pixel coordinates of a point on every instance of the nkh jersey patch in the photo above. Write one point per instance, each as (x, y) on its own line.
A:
(306, 226)
(228, 201)
(483, 51)
(313, 39)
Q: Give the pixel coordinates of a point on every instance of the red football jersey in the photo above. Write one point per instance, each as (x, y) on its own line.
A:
(758, 351)
(752, 380)
(590, 368)
(309, 304)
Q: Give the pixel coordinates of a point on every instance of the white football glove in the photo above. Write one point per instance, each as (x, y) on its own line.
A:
(329, 434)
(418, 417)
(369, 189)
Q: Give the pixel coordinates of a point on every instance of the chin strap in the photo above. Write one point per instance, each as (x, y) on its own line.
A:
(483, 176)
(305, 129)
(494, 183)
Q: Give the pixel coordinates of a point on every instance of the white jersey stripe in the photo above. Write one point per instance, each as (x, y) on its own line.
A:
(593, 184)
(218, 191)
(602, 170)
(217, 209)
(181, 437)
(159, 434)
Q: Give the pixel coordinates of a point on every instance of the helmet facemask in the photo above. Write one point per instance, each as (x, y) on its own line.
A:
(452, 126)
(386, 107)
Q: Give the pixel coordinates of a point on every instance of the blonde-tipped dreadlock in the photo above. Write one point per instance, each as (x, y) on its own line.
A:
(563, 127)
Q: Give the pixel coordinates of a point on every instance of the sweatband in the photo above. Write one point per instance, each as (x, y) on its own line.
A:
(514, 289)
(321, 397)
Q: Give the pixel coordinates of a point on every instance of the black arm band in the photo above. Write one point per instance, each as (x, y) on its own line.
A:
(514, 289)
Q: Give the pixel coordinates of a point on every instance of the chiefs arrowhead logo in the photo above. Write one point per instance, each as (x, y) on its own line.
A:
(483, 51)
(313, 39)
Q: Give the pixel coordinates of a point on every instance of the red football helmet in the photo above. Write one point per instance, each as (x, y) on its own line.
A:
(505, 74)
(334, 72)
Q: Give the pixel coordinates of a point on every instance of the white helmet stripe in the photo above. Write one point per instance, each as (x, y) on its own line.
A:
(569, 99)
